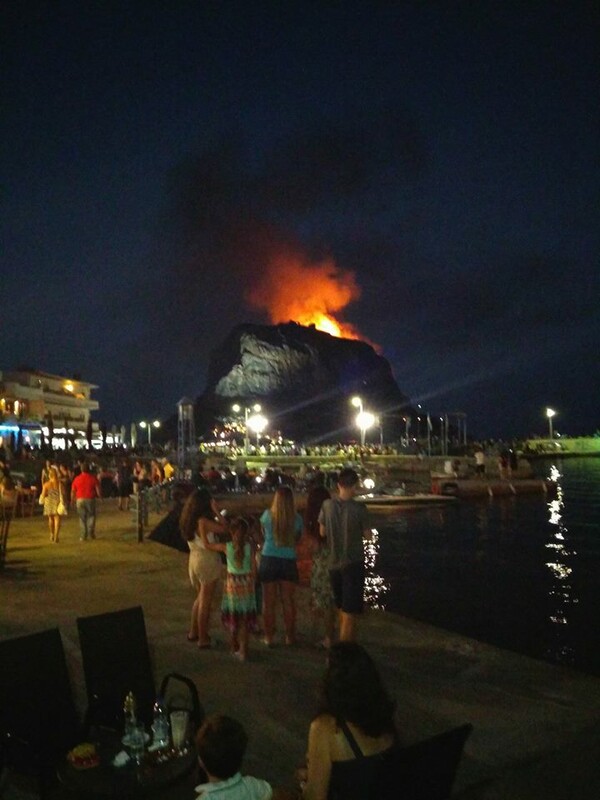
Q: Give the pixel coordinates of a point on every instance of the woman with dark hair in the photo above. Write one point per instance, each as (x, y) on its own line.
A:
(353, 736)
(199, 522)
(278, 572)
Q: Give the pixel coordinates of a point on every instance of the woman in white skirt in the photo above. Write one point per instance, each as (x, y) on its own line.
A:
(199, 522)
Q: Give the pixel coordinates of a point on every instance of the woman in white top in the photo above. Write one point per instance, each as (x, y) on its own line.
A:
(200, 520)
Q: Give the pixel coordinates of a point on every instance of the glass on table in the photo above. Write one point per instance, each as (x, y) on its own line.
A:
(179, 726)
(137, 743)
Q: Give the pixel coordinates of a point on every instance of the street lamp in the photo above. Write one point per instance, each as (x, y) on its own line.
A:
(149, 425)
(236, 408)
(550, 412)
(364, 420)
(357, 403)
(257, 423)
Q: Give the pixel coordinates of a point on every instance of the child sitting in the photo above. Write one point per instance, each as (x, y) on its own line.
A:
(221, 744)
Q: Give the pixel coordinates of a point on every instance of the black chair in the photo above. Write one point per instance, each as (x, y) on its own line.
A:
(426, 770)
(116, 661)
(38, 720)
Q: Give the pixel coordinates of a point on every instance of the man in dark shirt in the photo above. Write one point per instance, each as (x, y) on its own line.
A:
(345, 523)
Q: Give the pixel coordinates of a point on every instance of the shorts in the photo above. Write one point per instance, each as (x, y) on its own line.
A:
(273, 568)
(204, 566)
(348, 586)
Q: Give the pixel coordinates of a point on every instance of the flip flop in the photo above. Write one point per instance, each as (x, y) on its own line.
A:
(191, 638)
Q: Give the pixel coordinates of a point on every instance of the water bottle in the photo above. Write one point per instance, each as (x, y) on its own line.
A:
(160, 725)
(129, 716)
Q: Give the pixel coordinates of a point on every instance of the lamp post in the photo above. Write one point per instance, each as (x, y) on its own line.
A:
(149, 425)
(256, 408)
(550, 412)
(364, 420)
(257, 423)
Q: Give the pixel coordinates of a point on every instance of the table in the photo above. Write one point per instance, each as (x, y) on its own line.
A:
(130, 781)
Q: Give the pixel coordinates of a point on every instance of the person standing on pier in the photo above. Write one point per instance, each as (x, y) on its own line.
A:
(84, 491)
(344, 523)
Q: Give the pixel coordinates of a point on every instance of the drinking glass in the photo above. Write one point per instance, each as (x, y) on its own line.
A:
(137, 743)
(179, 724)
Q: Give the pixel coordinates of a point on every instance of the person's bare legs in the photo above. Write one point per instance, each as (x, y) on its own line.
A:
(57, 521)
(207, 591)
(289, 610)
(243, 641)
(234, 642)
(347, 627)
(329, 626)
(194, 619)
(51, 526)
(269, 599)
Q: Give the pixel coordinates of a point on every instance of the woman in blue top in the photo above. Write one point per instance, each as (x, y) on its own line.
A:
(278, 571)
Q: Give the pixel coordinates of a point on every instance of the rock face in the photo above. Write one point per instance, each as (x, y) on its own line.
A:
(304, 379)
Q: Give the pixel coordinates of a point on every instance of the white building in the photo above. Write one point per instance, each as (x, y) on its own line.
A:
(39, 400)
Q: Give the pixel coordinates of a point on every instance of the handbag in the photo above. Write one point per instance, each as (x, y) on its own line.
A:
(61, 508)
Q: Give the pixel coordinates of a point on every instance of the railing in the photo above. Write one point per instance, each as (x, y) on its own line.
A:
(152, 499)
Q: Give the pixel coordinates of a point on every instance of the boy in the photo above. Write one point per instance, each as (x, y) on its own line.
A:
(221, 744)
(345, 523)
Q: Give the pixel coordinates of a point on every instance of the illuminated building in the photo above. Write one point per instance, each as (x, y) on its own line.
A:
(38, 400)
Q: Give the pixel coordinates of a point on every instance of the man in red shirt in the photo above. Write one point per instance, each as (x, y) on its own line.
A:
(84, 491)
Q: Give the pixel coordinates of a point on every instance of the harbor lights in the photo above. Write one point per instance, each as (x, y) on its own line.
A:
(149, 425)
(256, 408)
(357, 403)
(257, 423)
(550, 412)
(364, 419)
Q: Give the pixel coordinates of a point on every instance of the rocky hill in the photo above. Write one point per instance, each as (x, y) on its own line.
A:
(304, 379)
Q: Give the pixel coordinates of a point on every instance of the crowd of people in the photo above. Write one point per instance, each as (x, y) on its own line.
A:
(352, 737)
(353, 731)
(262, 570)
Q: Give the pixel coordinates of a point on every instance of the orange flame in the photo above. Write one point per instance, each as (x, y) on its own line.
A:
(292, 288)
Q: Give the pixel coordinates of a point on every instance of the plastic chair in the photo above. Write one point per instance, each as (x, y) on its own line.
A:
(116, 661)
(426, 770)
(38, 721)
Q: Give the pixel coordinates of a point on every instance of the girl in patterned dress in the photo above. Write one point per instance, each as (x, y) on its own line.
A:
(238, 607)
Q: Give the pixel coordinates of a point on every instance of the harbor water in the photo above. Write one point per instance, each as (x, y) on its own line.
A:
(520, 572)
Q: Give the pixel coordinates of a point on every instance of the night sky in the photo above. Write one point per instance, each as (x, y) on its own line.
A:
(154, 156)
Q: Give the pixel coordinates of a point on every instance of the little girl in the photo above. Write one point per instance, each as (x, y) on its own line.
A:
(238, 608)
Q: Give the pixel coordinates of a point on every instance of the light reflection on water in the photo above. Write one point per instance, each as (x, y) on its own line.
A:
(376, 587)
(519, 572)
(561, 595)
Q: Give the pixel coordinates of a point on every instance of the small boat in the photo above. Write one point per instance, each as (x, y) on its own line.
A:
(392, 502)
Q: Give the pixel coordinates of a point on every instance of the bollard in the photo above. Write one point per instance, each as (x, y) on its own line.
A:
(141, 514)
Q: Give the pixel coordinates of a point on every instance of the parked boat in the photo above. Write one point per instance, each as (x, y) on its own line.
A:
(447, 485)
(392, 502)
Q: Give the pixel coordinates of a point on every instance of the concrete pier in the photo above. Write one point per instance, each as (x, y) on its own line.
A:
(536, 726)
